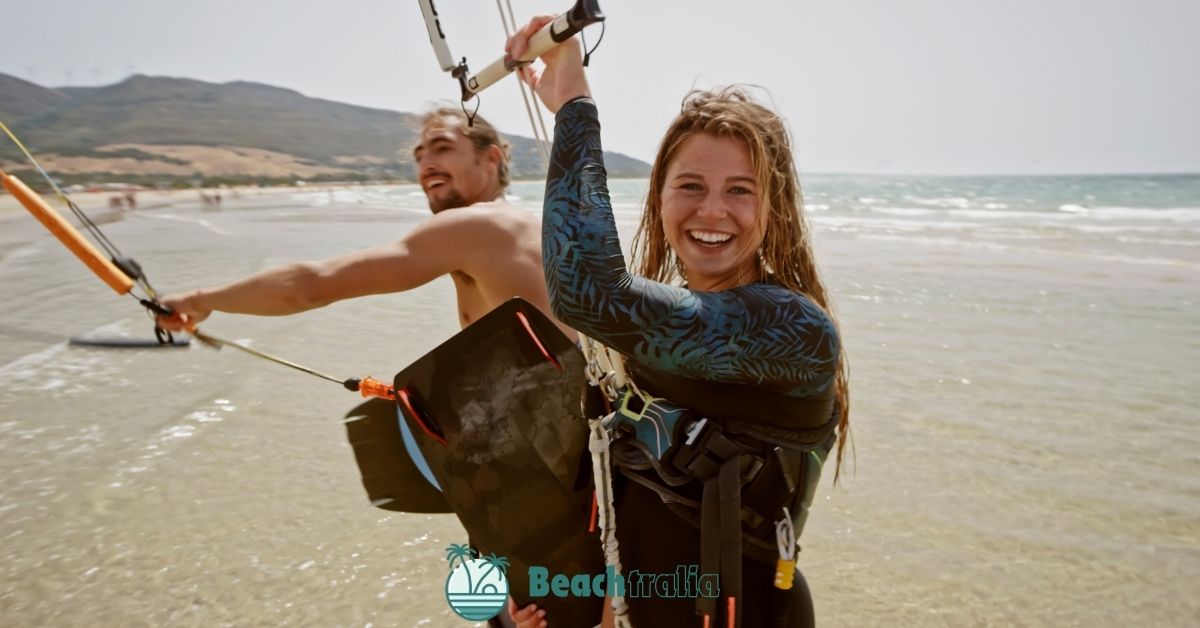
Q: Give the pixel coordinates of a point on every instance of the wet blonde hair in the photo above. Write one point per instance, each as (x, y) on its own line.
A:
(786, 251)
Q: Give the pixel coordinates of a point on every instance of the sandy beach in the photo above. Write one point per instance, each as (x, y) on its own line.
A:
(1023, 359)
(99, 202)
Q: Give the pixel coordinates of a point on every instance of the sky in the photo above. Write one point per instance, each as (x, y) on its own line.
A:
(868, 86)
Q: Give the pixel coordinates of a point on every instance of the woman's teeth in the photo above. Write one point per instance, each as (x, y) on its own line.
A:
(710, 237)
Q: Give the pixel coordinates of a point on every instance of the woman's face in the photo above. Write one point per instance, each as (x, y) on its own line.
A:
(710, 211)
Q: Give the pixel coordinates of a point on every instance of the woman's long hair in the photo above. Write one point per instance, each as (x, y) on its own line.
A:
(786, 250)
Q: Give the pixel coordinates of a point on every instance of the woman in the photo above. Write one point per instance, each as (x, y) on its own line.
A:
(726, 318)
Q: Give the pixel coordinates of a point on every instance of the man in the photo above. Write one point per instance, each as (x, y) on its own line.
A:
(490, 248)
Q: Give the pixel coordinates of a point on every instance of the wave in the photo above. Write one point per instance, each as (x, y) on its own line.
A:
(1173, 214)
(945, 202)
(1063, 214)
(996, 246)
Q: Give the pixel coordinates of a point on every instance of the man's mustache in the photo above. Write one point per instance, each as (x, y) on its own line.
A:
(429, 175)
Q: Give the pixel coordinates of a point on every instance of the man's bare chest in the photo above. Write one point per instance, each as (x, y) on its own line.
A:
(472, 302)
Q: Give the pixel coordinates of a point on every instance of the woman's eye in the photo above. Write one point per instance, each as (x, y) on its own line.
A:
(739, 190)
(695, 187)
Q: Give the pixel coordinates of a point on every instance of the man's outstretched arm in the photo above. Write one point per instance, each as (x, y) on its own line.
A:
(450, 241)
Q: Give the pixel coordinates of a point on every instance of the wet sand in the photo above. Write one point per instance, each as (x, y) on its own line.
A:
(1023, 419)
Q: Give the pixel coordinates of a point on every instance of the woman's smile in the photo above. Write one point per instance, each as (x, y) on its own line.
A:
(710, 212)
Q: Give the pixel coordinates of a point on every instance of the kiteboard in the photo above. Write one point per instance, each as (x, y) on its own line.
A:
(128, 343)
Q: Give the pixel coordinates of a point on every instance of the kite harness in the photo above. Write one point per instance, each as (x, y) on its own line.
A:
(123, 274)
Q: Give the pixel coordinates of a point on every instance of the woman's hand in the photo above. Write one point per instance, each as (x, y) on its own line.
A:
(563, 78)
(187, 313)
(528, 617)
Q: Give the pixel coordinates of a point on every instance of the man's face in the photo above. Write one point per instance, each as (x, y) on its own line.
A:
(451, 172)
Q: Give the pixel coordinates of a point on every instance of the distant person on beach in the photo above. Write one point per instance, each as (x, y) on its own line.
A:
(489, 247)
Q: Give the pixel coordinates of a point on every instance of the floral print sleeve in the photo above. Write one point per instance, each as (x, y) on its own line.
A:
(758, 334)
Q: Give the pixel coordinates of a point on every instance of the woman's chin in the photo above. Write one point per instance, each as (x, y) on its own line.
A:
(701, 276)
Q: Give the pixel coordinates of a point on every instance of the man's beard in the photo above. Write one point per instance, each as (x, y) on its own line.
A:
(452, 200)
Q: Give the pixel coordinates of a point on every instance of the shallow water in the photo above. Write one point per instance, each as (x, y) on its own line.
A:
(1024, 356)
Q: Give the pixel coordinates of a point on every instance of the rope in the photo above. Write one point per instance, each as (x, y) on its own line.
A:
(221, 342)
(598, 444)
(536, 107)
(587, 55)
(542, 141)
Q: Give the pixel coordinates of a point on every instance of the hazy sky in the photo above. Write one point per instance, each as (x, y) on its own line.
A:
(915, 86)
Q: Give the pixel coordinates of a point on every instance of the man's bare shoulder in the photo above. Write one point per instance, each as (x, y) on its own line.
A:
(484, 218)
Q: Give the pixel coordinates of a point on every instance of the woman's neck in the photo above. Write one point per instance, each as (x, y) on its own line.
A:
(716, 283)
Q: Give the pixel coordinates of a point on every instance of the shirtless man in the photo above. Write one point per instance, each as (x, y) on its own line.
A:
(492, 249)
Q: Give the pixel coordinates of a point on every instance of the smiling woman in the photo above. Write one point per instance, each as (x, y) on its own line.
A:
(738, 386)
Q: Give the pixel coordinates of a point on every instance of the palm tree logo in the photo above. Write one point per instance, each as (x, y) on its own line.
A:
(476, 588)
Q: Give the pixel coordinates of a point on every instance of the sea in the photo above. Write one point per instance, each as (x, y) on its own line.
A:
(1024, 359)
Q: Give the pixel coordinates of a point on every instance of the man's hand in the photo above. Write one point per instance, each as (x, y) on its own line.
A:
(529, 617)
(563, 78)
(188, 314)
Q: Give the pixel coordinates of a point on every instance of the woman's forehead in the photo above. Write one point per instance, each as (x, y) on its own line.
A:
(708, 154)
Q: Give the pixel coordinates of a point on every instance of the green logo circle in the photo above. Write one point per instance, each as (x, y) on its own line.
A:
(478, 589)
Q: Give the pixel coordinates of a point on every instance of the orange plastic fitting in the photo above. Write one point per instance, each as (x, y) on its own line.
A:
(374, 388)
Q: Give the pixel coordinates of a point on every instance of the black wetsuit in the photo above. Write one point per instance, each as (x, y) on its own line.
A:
(759, 334)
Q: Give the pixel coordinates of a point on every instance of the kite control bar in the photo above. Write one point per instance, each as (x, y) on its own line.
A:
(583, 14)
(122, 274)
(66, 233)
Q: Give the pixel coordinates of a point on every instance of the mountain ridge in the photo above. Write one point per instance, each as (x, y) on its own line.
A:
(138, 127)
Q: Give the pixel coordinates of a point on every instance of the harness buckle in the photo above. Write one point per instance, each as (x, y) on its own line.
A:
(707, 448)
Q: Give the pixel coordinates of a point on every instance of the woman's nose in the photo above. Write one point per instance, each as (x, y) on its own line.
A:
(712, 208)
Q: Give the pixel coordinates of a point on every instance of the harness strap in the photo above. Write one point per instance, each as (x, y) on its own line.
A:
(710, 547)
(721, 542)
(730, 493)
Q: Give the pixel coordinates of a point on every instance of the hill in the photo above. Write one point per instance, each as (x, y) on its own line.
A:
(168, 129)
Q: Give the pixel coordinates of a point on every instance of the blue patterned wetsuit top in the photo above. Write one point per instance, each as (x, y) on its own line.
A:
(759, 334)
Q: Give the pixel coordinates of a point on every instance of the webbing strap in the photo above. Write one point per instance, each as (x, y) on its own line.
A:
(710, 544)
(721, 543)
(730, 493)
